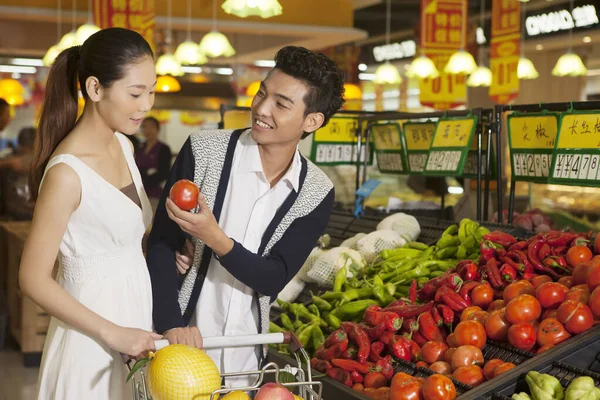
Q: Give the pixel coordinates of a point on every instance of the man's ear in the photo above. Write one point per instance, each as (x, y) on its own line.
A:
(313, 121)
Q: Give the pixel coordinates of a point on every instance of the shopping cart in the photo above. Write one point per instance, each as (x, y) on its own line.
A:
(307, 388)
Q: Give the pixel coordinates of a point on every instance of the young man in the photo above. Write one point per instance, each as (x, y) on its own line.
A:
(261, 211)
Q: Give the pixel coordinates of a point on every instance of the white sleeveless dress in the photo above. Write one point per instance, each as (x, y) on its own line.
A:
(102, 266)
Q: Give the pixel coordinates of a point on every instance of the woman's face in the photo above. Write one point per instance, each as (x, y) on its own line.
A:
(127, 101)
(150, 130)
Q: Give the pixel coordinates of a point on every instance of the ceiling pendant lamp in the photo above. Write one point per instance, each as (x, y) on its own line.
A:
(247, 8)
(526, 69)
(461, 62)
(569, 64)
(88, 29)
(167, 64)
(482, 76)
(167, 84)
(188, 52)
(387, 73)
(422, 67)
(214, 44)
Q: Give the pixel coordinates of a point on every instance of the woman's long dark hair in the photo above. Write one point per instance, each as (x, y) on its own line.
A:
(105, 55)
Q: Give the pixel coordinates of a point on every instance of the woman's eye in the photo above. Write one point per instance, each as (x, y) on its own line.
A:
(135, 96)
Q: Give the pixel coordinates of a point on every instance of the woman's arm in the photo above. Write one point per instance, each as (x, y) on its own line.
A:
(59, 198)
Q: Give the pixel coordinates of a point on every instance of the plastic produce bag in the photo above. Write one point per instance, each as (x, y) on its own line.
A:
(371, 245)
(353, 241)
(405, 225)
(308, 264)
(324, 269)
(292, 290)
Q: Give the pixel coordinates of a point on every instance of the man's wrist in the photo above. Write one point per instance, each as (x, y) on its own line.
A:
(223, 244)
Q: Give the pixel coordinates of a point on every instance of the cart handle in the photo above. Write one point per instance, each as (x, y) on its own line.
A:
(219, 342)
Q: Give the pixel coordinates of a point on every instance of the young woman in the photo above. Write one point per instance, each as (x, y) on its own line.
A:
(92, 211)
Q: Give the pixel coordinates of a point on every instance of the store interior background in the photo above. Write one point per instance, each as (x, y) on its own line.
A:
(223, 80)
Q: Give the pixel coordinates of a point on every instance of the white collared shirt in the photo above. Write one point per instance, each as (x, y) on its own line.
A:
(227, 307)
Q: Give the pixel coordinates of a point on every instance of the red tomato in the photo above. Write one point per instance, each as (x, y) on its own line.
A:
(579, 293)
(581, 272)
(490, 367)
(496, 305)
(593, 278)
(566, 280)
(470, 333)
(184, 194)
(410, 389)
(578, 254)
(597, 243)
(439, 387)
(358, 387)
(401, 377)
(551, 294)
(479, 316)
(516, 289)
(502, 368)
(422, 364)
(468, 311)
(451, 340)
(382, 393)
(496, 326)
(549, 314)
(441, 367)
(448, 355)
(482, 296)
(594, 302)
(465, 356)
(471, 375)
(524, 308)
(539, 279)
(375, 380)
(551, 331)
(544, 348)
(522, 336)
(433, 351)
(576, 317)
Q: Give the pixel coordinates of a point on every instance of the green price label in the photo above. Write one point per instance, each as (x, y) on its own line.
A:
(577, 155)
(389, 148)
(532, 138)
(450, 145)
(418, 137)
(337, 143)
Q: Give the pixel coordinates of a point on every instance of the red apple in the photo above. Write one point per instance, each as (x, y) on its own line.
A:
(273, 391)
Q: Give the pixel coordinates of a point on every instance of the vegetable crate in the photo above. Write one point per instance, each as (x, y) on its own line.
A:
(577, 355)
(565, 373)
(420, 372)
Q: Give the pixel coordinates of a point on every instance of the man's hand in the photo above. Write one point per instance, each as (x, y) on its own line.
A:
(189, 336)
(201, 225)
(185, 259)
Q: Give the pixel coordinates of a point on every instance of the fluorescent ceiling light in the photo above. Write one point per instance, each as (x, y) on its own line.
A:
(28, 62)
(18, 69)
(224, 71)
(366, 77)
(265, 63)
(191, 70)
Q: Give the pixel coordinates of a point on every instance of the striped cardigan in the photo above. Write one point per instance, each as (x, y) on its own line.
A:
(206, 158)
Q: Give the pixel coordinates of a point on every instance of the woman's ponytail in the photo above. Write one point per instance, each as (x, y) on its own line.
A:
(59, 113)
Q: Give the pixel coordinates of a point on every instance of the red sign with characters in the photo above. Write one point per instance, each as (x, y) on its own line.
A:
(137, 15)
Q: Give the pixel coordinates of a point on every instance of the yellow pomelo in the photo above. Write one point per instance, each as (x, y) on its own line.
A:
(297, 397)
(237, 395)
(180, 372)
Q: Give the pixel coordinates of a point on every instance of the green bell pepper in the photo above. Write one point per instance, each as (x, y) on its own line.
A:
(582, 388)
(544, 386)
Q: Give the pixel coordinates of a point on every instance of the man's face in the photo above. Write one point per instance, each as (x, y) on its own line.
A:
(4, 117)
(278, 110)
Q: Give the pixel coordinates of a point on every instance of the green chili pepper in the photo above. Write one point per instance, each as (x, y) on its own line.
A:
(448, 241)
(377, 280)
(435, 274)
(461, 253)
(422, 281)
(446, 252)
(390, 288)
(286, 322)
(349, 310)
(417, 246)
(314, 309)
(283, 304)
(317, 337)
(340, 279)
(323, 305)
(297, 324)
(451, 230)
(330, 296)
(400, 252)
(305, 335)
(354, 294)
(293, 308)
(402, 290)
(416, 273)
(274, 328)
(333, 321)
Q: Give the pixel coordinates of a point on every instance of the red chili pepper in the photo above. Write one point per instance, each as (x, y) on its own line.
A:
(544, 251)
(494, 273)
(487, 250)
(415, 350)
(437, 318)
(469, 272)
(356, 377)
(447, 315)
(358, 335)
(350, 365)
(529, 276)
(467, 288)
(527, 266)
(373, 316)
(410, 310)
(395, 303)
(560, 251)
(532, 253)
(419, 339)
(350, 353)
(429, 329)
(453, 281)
(503, 239)
(410, 325)
(412, 292)
(332, 352)
(340, 375)
(451, 299)
(376, 349)
(335, 338)
(518, 246)
(396, 346)
(562, 239)
(580, 241)
(320, 365)
(427, 292)
(509, 274)
(512, 263)
(386, 368)
(558, 263)
(375, 332)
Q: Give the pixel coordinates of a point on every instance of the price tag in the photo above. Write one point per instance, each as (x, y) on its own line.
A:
(577, 155)
(336, 143)
(389, 149)
(418, 137)
(532, 138)
(471, 166)
(449, 147)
